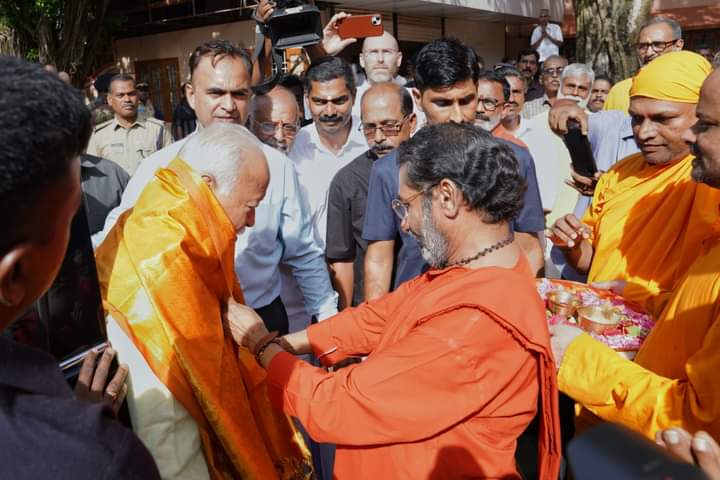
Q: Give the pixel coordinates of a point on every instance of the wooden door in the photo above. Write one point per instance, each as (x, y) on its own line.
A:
(163, 77)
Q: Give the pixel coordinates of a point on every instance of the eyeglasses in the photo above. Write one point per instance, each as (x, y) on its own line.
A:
(553, 71)
(377, 53)
(401, 208)
(489, 104)
(388, 129)
(269, 128)
(656, 46)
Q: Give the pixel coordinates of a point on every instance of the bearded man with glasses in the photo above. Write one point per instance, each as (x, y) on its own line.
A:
(659, 36)
(387, 121)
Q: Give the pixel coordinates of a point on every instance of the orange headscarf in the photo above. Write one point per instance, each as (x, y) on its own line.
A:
(674, 76)
(166, 272)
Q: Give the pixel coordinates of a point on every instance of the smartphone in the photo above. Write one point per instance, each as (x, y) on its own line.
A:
(612, 451)
(580, 151)
(360, 26)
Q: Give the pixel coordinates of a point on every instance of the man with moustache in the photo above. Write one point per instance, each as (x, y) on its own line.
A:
(647, 202)
(528, 62)
(550, 77)
(546, 37)
(672, 380)
(387, 121)
(599, 92)
(320, 150)
(127, 139)
(219, 91)
(545, 149)
(446, 75)
(275, 118)
(480, 364)
(659, 36)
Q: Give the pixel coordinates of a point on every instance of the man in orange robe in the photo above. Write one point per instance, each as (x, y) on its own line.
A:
(673, 381)
(648, 219)
(166, 272)
(456, 358)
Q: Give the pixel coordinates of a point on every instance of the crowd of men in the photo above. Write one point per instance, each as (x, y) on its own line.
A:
(354, 296)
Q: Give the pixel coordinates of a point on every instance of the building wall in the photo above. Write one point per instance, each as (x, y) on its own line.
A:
(488, 39)
(180, 44)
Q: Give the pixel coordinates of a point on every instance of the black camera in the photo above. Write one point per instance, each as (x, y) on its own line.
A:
(294, 24)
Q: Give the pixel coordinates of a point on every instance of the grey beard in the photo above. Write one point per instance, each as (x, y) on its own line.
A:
(487, 125)
(432, 243)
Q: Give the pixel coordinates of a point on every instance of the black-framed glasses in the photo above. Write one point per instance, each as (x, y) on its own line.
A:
(401, 208)
(269, 128)
(489, 104)
(553, 71)
(389, 129)
(656, 46)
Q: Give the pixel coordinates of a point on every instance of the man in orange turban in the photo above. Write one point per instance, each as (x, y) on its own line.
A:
(166, 269)
(673, 381)
(648, 219)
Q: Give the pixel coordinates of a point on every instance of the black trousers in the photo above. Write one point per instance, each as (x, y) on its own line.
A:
(275, 317)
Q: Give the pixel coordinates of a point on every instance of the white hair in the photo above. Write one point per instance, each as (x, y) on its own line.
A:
(577, 70)
(219, 151)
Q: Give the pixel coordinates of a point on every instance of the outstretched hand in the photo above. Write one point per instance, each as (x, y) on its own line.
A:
(568, 232)
(92, 384)
(332, 43)
(245, 325)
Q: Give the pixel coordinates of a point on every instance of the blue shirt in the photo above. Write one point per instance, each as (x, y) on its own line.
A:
(381, 223)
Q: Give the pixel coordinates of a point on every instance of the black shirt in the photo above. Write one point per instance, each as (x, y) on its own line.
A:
(535, 90)
(347, 200)
(45, 432)
(103, 183)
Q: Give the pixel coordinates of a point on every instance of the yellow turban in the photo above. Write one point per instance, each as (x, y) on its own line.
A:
(675, 76)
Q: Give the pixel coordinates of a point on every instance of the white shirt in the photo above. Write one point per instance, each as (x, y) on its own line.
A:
(165, 427)
(283, 233)
(316, 166)
(552, 165)
(547, 48)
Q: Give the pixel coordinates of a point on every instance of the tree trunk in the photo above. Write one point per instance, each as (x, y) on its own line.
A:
(606, 33)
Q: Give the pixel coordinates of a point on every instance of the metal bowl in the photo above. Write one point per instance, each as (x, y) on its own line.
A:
(562, 303)
(597, 319)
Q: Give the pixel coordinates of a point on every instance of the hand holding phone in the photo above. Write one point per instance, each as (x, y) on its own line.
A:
(580, 150)
(92, 380)
(360, 26)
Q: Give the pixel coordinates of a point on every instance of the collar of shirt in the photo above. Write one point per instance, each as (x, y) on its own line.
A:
(137, 123)
(355, 138)
(31, 370)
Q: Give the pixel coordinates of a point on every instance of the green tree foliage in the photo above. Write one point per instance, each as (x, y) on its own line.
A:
(65, 33)
(606, 33)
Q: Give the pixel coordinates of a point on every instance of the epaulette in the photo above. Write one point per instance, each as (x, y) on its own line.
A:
(102, 125)
(155, 121)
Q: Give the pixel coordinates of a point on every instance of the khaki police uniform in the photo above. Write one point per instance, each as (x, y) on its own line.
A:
(129, 146)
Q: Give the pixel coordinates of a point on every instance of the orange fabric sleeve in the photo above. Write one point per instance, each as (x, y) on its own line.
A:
(619, 390)
(354, 331)
(411, 390)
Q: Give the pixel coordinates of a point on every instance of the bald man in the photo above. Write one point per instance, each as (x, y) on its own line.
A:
(380, 58)
(275, 118)
(387, 121)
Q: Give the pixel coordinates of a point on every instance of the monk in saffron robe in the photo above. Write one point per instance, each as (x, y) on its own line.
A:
(673, 381)
(166, 273)
(456, 358)
(648, 219)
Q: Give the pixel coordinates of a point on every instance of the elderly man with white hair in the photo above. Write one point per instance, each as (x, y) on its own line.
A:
(166, 272)
(575, 82)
